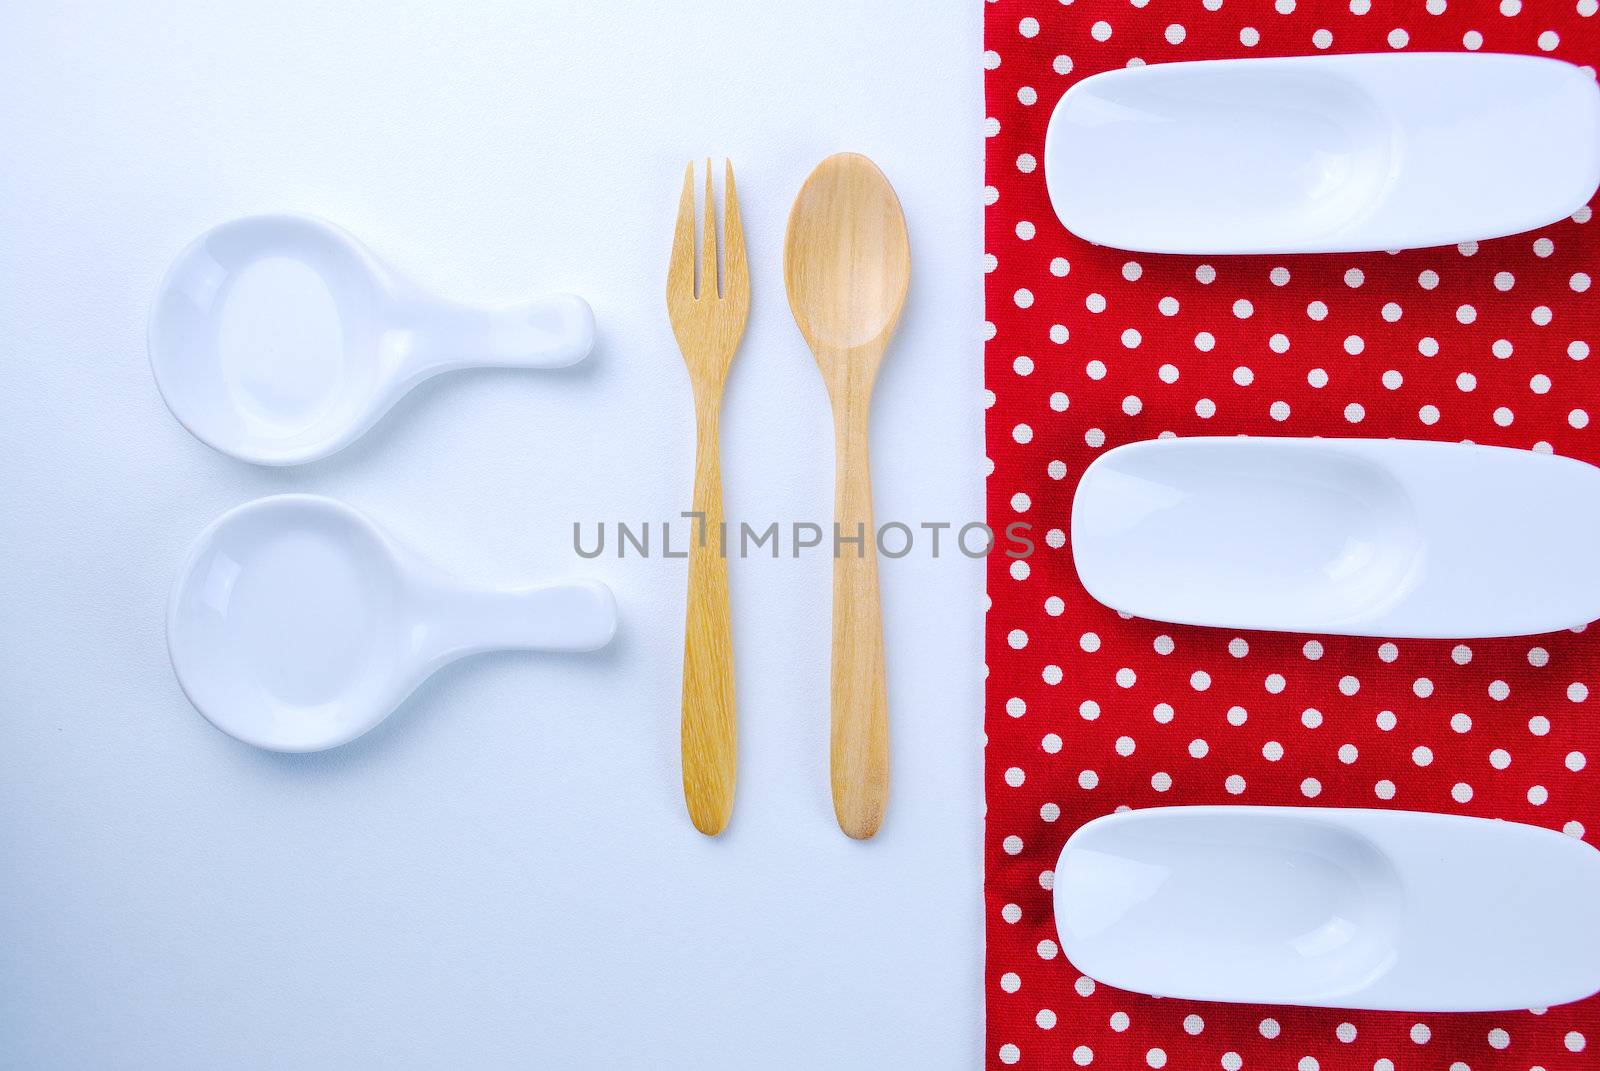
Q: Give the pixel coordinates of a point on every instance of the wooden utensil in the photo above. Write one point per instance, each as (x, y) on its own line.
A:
(708, 323)
(847, 264)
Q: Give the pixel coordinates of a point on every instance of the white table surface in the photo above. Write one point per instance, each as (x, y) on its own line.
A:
(502, 875)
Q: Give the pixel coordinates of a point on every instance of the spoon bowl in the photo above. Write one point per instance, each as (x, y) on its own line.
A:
(279, 339)
(296, 624)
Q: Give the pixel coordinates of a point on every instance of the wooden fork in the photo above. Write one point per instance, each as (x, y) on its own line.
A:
(708, 323)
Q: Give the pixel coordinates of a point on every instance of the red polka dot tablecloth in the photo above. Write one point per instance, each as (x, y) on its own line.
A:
(1088, 711)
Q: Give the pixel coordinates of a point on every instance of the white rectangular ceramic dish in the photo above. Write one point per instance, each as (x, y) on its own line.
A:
(1355, 537)
(1387, 910)
(1322, 154)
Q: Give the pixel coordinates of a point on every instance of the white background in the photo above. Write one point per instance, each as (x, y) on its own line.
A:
(502, 874)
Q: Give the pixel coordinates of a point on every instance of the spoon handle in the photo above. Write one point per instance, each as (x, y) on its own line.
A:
(710, 738)
(860, 736)
(548, 332)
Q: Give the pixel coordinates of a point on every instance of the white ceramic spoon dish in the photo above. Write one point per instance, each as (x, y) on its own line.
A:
(1332, 908)
(279, 339)
(1323, 154)
(1355, 537)
(296, 624)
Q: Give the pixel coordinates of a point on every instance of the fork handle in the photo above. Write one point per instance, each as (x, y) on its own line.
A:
(859, 752)
(710, 741)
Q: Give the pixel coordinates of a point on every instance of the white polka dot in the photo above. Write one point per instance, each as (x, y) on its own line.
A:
(1499, 1039)
(1539, 725)
(1275, 683)
(1428, 414)
(1243, 309)
(1200, 680)
(1015, 776)
(1278, 343)
(1205, 408)
(1539, 384)
(1205, 341)
(1051, 744)
(1549, 40)
(1018, 639)
(1279, 410)
(1088, 779)
(1249, 36)
(1398, 38)
(1317, 310)
(1384, 789)
(1130, 338)
(1345, 1032)
(1012, 845)
(1234, 784)
(1466, 314)
(1010, 982)
(1322, 38)
(1422, 756)
(1311, 788)
(1009, 1054)
(1175, 34)
(1046, 1019)
(1388, 652)
(1232, 1061)
(1348, 754)
(1541, 315)
(1461, 792)
(1386, 720)
(1058, 333)
(1016, 706)
(1083, 1056)
(1422, 687)
(1354, 277)
(1243, 376)
(1279, 276)
(1027, 96)
(1578, 418)
(1119, 1021)
(1354, 344)
(1575, 761)
(1272, 751)
(1156, 1058)
(1428, 279)
(1498, 690)
(1011, 913)
(1354, 412)
(1472, 40)
(1168, 373)
(1574, 1041)
(1100, 31)
(1269, 1028)
(1317, 377)
(1500, 758)
(1205, 273)
(1466, 381)
(1023, 297)
(1420, 1033)
(1062, 65)
(1461, 723)
(1059, 402)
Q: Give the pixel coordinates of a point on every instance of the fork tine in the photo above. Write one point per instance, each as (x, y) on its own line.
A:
(735, 272)
(680, 269)
(708, 248)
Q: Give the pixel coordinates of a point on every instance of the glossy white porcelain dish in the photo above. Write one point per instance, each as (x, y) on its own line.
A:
(1323, 154)
(280, 339)
(1356, 537)
(1323, 907)
(297, 624)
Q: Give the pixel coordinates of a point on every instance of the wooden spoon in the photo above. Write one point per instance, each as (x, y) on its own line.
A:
(847, 264)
